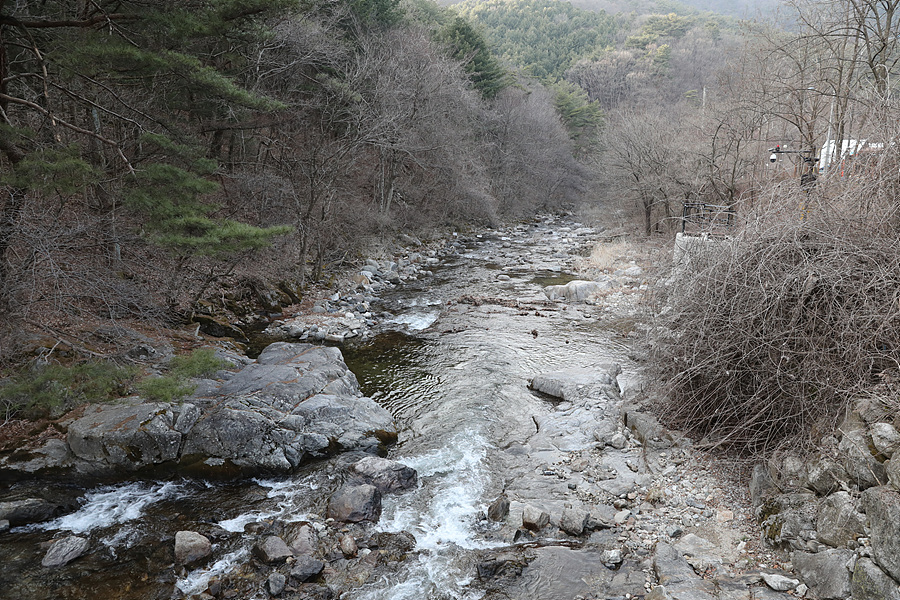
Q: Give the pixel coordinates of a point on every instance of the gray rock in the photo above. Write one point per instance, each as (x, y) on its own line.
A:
(306, 568)
(499, 508)
(276, 583)
(658, 593)
(882, 507)
(780, 583)
(4, 526)
(825, 475)
(30, 510)
(575, 291)
(573, 520)
(304, 540)
(64, 551)
(671, 567)
(618, 441)
(826, 573)
(869, 582)
(50, 458)
(191, 547)
(295, 401)
(647, 429)
(126, 437)
(885, 438)
(762, 487)
(892, 467)
(534, 519)
(611, 558)
(863, 468)
(839, 521)
(386, 475)
(577, 384)
(272, 550)
(355, 503)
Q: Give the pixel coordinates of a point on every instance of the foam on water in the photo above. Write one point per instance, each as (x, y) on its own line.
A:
(441, 514)
(416, 321)
(113, 505)
(290, 492)
(198, 580)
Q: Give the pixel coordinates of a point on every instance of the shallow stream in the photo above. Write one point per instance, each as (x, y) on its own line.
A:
(455, 375)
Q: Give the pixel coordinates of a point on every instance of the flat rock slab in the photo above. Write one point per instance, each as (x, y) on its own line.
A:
(580, 384)
(64, 551)
(294, 402)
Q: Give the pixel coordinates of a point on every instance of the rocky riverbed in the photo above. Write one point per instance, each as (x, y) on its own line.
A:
(488, 440)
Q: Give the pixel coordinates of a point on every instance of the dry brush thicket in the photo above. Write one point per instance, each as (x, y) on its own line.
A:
(769, 335)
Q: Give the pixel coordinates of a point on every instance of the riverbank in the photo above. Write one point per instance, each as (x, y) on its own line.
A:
(512, 364)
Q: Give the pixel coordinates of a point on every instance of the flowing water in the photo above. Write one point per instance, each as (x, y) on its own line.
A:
(455, 377)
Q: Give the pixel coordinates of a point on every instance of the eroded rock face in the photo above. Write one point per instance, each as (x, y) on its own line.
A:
(294, 402)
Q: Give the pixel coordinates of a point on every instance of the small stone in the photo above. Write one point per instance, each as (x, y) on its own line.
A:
(64, 551)
(611, 558)
(780, 583)
(801, 589)
(276, 583)
(621, 517)
(723, 516)
(4, 526)
(348, 546)
(618, 441)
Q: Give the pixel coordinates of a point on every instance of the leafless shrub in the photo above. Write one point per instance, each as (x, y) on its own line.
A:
(772, 333)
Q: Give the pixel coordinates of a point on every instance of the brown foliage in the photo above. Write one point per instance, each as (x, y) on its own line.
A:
(775, 331)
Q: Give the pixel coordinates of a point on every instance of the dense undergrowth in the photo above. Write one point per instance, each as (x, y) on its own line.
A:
(769, 335)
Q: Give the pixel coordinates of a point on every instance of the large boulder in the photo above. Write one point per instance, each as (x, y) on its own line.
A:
(577, 384)
(871, 583)
(191, 547)
(861, 465)
(885, 438)
(882, 507)
(294, 402)
(129, 436)
(355, 503)
(29, 510)
(838, 521)
(826, 573)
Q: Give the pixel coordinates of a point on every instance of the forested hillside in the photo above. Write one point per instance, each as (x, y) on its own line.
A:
(151, 151)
